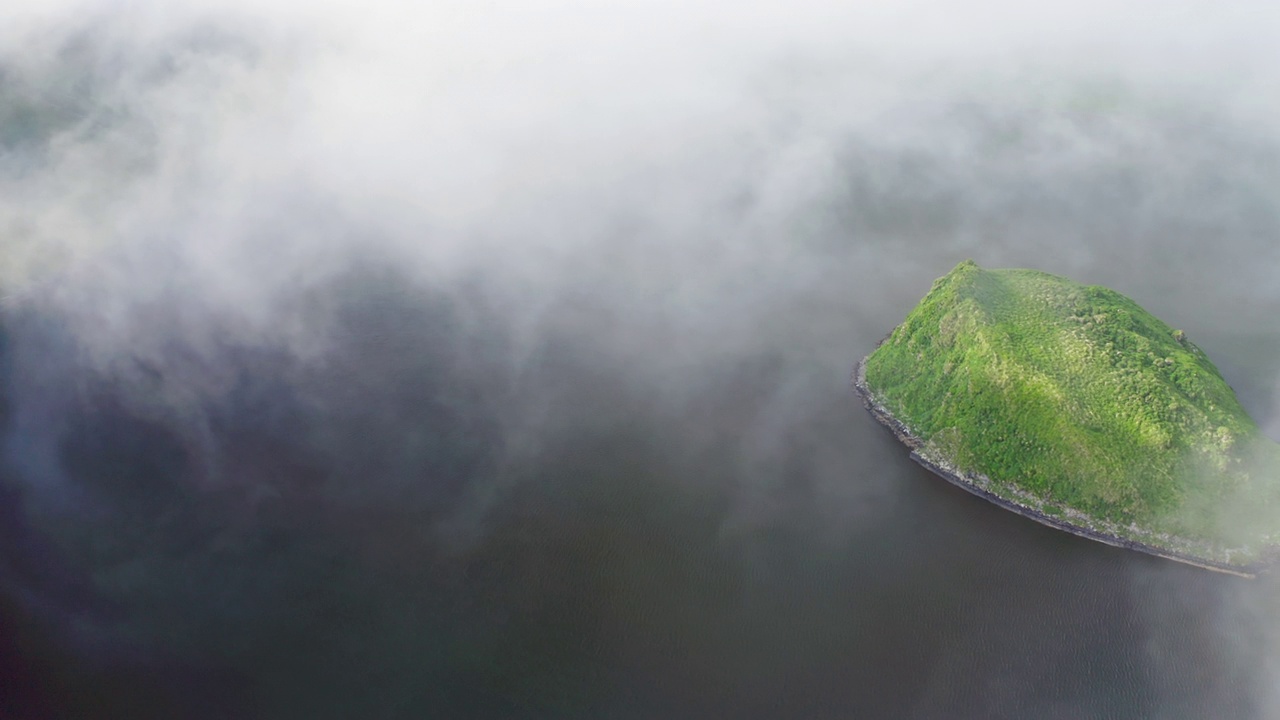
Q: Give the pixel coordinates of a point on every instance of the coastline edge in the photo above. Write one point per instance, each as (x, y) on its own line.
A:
(904, 434)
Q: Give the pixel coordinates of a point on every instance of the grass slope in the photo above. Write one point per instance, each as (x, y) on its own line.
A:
(1076, 401)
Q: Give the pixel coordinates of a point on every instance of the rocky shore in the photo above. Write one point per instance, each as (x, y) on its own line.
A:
(979, 485)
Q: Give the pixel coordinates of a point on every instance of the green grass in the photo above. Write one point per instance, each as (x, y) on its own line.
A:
(1076, 398)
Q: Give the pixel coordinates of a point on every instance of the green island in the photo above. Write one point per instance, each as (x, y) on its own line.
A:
(1072, 405)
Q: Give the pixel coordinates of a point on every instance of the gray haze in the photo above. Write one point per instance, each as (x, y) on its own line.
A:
(675, 223)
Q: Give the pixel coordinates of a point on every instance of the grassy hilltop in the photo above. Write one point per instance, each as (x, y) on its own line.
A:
(1076, 402)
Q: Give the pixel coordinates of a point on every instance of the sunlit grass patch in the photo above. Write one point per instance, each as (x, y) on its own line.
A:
(1077, 396)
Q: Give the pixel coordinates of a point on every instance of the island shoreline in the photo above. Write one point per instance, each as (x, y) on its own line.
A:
(904, 434)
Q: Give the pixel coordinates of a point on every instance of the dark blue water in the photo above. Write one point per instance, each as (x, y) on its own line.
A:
(422, 526)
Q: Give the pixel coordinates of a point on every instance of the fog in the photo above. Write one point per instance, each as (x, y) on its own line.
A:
(464, 358)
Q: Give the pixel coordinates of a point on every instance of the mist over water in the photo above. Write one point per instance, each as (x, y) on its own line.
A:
(493, 361)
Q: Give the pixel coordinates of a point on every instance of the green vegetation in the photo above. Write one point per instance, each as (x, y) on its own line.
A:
(1075, 402)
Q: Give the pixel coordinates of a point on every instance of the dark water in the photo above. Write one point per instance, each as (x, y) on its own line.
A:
(423, 526)
(259, 460)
